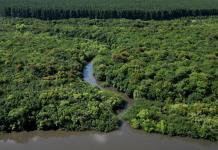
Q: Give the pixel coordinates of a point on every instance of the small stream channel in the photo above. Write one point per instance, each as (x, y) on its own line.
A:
(125, 138)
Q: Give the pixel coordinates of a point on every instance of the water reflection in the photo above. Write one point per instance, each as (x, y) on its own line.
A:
(101, 139)
(34, 136)
(125, 138)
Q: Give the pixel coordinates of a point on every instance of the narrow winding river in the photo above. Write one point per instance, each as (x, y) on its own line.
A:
(125, 138)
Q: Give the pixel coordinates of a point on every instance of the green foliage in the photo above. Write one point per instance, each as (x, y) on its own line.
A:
(41, 81)
(169, 67)
(198, 120)
(20, 27)
(172, 62)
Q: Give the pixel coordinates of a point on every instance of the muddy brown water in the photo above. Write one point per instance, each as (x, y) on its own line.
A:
(125, 138)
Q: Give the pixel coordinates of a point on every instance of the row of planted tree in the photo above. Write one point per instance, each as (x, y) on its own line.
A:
(50, 14)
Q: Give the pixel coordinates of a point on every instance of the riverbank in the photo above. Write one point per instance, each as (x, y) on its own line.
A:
(124, 138)
(170, 66)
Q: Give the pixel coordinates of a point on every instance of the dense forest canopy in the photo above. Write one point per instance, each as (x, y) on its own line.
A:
(170, 68)
(41, 81)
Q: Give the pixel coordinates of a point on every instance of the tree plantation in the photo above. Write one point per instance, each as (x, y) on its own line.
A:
(130, 9)
(169, 68)
(114, 4)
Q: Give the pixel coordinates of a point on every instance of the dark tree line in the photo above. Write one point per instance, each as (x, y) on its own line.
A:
(50, 14)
